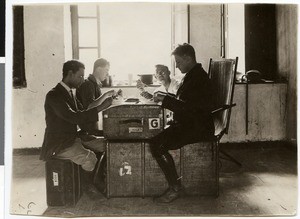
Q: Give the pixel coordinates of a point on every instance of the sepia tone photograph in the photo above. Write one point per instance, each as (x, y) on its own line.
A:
(101, 89)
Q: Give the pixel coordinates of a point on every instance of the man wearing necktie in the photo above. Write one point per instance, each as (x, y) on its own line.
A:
(64, 114)
(73, 98)
(192, 120)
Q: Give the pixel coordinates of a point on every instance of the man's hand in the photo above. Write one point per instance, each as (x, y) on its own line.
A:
(105, 104)
(140, 85)
(159, 96)
(109, 93)
(146, 95)
(118, 93)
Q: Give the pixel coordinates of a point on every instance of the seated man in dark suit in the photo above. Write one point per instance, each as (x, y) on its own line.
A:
(193, 121)
(90, 90)
(64, 113)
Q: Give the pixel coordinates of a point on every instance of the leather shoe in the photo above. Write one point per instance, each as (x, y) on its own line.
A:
(169, 195)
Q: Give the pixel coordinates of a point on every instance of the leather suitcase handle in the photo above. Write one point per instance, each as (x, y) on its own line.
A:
(140, 121)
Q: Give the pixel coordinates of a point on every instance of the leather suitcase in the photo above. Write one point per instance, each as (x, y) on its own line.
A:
(124, 169)
(138, 121)
(63, 186)
(200, 169)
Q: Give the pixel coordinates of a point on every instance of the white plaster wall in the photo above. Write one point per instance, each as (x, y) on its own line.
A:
(266, 113)
(44, 57)
(287, 23)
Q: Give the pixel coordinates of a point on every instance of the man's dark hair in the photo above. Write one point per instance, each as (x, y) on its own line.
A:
(72, 65)
(100, 63)
(185, 49)
(163, 68)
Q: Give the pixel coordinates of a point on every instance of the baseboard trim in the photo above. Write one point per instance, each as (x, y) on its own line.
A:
(27, 151)
(292, 144)
(265, 144)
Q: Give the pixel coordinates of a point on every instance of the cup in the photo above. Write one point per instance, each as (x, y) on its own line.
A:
(130, 77)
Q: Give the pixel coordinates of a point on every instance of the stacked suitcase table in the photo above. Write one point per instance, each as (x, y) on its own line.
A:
(131, 169)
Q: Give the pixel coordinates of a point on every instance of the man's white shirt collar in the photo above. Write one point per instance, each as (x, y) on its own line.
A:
(98, 81)
(68, 88)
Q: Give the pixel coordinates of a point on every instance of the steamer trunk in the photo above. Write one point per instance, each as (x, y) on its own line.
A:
(132, 171)
(200, 171)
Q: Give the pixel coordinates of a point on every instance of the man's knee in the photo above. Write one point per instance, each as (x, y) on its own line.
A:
(157, 150)
(89, 162)
(97, 145)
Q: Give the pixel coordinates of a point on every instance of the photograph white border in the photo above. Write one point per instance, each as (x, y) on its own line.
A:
(8, 94)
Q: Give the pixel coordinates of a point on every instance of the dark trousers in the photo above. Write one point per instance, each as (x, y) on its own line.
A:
(172, 138)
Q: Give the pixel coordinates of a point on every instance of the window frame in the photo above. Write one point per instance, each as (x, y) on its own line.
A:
(75, 31)
(19, 78)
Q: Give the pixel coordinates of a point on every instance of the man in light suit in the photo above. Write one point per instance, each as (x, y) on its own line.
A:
(64, 114)
(168, 84)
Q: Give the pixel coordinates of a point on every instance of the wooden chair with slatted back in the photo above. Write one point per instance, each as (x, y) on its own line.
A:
(199, 162)
(222, 73)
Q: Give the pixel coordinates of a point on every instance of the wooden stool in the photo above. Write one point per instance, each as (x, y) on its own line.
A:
(63, 184)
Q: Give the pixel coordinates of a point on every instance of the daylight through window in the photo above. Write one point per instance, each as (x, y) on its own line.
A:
(133, 37)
